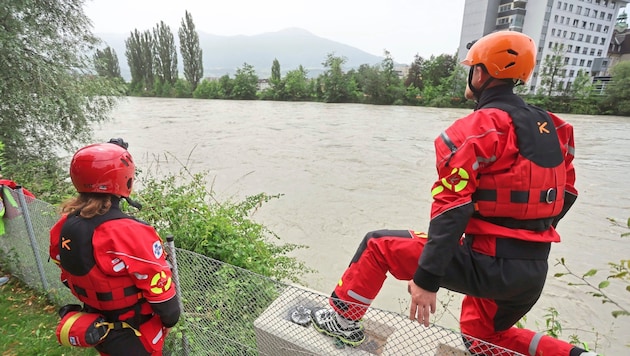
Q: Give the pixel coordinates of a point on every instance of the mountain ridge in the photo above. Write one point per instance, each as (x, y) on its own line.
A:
(292, 47)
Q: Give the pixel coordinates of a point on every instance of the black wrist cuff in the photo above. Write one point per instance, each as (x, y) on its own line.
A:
(426, 280)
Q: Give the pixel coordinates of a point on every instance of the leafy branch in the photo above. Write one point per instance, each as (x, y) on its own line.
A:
(619, 271)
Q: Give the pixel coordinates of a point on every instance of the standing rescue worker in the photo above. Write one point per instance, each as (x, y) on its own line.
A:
(505, 179)
(111, 262)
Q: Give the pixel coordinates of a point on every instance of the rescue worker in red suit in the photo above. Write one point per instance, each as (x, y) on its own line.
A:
(111, 262)
(505, 179)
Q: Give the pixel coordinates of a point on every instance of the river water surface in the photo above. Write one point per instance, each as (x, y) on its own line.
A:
(347, 169)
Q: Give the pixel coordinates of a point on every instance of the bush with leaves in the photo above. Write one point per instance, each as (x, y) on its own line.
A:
(619, 272)
(182, 206)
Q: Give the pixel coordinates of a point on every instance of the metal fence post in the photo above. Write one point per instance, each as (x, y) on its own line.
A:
(173, 258)
(31, 236)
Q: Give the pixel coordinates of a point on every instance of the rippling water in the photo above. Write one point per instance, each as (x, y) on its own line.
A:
(348, 169)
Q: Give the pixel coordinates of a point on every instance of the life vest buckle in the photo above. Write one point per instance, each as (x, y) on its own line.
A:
(551, 195)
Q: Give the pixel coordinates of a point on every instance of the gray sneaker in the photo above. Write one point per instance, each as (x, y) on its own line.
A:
(325, 321)
(3, 280)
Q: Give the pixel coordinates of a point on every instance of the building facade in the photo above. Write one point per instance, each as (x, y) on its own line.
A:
(579, 30)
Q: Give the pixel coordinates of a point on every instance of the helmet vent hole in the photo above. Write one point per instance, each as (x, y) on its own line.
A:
(124, 161)
(512, 52)
(510, 64)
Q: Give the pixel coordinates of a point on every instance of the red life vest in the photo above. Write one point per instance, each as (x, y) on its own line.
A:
(86, 280)
(531, 192)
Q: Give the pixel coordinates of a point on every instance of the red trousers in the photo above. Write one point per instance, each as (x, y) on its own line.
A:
(499, 291)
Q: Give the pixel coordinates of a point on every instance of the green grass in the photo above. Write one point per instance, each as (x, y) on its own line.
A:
(28, 322)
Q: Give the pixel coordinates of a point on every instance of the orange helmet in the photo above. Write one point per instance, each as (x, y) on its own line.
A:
(103, 168)
(505, 54)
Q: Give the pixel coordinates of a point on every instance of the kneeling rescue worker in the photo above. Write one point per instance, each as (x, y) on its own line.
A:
(505, 180)
(114, 264)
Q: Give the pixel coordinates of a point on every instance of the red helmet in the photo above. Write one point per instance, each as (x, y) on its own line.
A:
(103, 168)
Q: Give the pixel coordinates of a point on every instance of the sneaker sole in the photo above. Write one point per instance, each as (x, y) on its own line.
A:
(340, 338)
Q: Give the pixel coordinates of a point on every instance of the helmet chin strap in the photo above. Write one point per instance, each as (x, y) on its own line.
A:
(133, 203)
(477, 92)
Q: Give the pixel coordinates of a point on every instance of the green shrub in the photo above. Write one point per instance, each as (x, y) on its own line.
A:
(182, 206)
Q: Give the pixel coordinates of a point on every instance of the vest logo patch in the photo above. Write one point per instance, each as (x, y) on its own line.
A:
(65, 243)
(542, 127)
(158, 250)
(160, 283)
(457, 180)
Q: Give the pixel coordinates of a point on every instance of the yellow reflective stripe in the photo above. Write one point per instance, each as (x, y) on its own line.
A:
(437, 190)
(7, 193)
(464, 180)
(64, 335)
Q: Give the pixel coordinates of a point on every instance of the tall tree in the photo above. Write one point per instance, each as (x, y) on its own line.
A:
(139, 52)
(552, 71)
(192, 54)
(245, 83)
(618, 90)
(336, 86)
(49, 96)
(165, 59)
(296, 85)
(414, 77)
(106, 63)
(437, 68)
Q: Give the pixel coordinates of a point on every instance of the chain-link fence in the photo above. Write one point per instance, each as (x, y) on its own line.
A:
(228, 310)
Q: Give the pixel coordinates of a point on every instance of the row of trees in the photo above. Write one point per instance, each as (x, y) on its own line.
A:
(436, 81)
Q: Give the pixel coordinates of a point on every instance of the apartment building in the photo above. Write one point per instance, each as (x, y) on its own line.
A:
(580, 30)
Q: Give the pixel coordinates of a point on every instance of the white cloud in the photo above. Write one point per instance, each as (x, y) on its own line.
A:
(403, 27)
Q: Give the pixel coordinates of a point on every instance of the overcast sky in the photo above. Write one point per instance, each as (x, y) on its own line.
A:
(403, 27)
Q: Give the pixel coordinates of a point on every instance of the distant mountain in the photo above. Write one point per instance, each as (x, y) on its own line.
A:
(292, 47)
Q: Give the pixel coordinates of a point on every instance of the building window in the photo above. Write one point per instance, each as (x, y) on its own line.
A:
(591, 26)
(581, 63)
(564, 6)
(572, 73)
(609, 17)
(595, 39)
(589, 63)
(592, 53)
(566, 60)
(577, 49)
(572, 35)
(574, 62)
(587, 11)
(585, 50)
(550, 44)
(564, 34)
(579, 10)
(599, 28)
(601, 15)
(570, 48)
(605, 29)
(580, 37)
(594, 14)
(559, 4)
(576, 22)
(555, 19)
(602, 41)
(599, 53)
(588, 38)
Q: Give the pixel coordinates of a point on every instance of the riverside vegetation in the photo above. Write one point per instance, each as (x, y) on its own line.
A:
(58, 82)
